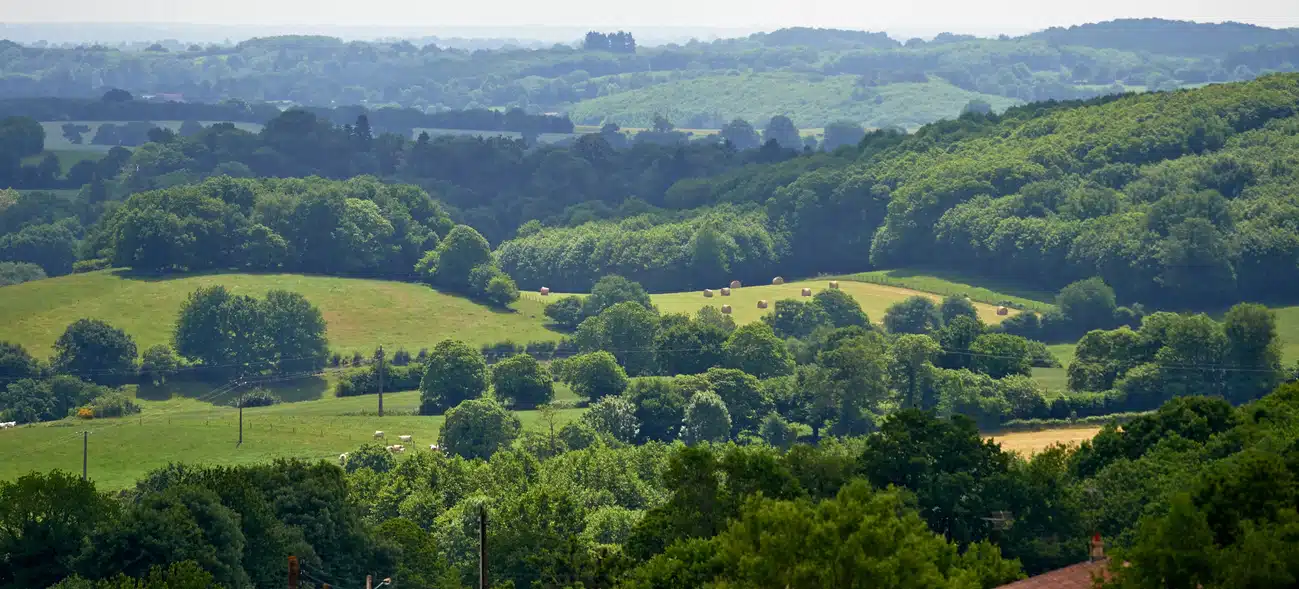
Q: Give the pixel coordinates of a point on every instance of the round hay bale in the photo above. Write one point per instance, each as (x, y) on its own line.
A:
(807, 292)
(834, 284)
(708, 293)
(762, 304)
(735, 284)
(545, 291)
(726, 292)
(778, 280)
(726, 309)
(1003, 311)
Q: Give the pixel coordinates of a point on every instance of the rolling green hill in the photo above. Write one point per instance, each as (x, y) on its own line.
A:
(361, 314)
(809, 100)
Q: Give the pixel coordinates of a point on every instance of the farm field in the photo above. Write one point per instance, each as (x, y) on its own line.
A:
(1028, 443)
(361, 314)
(810, 101)
(948, 283)
(195, 431)
(55, 141)
(875, 299)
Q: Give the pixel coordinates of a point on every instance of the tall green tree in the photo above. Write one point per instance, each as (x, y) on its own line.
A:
(477, 428)
(96, 351)
(454, 372)
(755, 349)
(916, 314)
(523, 381)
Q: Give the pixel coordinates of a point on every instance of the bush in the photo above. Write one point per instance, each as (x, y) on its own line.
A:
(97, 264)
(374, 456)
(258, 397)
(500, 350)
(401, 357)
(542, 350)
(706, 420)
(566, 312)
(158, 364)
(365, 381)
(19, 272)
(113, 404)
(501, 291)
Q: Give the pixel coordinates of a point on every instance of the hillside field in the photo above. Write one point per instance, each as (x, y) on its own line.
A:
(361, 314)
(193, 430)
(809, 100)
(55, 141)
(875, 299)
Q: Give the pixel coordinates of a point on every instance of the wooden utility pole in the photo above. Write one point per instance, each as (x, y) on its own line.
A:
(378, 355)
(85, 445)
(239, 385)
(482, 546)
(293, 572)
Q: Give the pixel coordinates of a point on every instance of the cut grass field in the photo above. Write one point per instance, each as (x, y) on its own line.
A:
(1029, 443)
(193, 430)
(947, 283)
(360, 314)
(875, 299)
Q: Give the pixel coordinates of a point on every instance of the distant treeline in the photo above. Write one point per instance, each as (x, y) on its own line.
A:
(398, 120)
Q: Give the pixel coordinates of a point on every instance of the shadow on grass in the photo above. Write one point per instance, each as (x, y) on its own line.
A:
(310, 388)
(1003, 286)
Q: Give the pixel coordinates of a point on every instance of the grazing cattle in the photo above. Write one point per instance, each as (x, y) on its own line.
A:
(434, 447)
(342, 458)
(8, 424)
(396, 448)
(405, 439)
(378, 435)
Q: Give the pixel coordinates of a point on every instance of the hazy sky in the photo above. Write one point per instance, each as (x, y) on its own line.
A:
(955, 15)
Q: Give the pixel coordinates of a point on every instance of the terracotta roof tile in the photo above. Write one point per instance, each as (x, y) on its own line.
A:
(1079, 576)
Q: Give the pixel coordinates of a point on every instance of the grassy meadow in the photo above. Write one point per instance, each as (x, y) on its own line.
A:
(67, 157)
(875, 299)
(809, 100)
(195, 430)
(361, 314)
(55, 141)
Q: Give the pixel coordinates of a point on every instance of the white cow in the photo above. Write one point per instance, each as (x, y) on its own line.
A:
(342, 458)
(8, 424)
(434, 447)
(405, 439)
(397, 448)
(378, 435)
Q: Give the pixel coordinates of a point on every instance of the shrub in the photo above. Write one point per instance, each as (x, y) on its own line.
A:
(401, 357)
(258, 397)
(500, 350)
(422, 356)
(566, 312)
(336, 360)
(19, 272)
(113, 404)
(85, 413)
(158, 364)
(501, 291)
(374, 456)
(83, 266)
(542, 350)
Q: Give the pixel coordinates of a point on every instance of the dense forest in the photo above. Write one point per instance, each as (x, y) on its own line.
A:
(319, 71)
